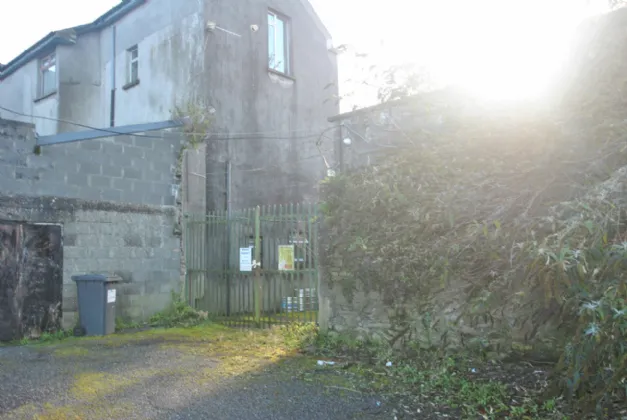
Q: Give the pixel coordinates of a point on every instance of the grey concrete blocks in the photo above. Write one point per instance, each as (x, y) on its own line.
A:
(107, 194)
(112, 149)
(124, 140)
(133, 240)
(77, 180)
(145, 142)
(99, 181)
(89, 168)
(143, 186)
(89, 193)
(134, 152)
(70, 239)
(91, 145)
(132, 173)
(112, 171)
(112, 195)
(100, 169)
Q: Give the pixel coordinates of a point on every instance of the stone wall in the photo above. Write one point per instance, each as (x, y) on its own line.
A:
(442, 323)
(381, 221)
(114, 199)
(378, 129)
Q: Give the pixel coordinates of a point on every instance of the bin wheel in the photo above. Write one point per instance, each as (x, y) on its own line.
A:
(79, 331)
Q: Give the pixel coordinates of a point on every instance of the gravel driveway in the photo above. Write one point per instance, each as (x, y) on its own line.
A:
(200, 373)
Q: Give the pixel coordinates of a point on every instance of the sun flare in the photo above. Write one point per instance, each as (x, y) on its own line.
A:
(496, 49)
(504, 51)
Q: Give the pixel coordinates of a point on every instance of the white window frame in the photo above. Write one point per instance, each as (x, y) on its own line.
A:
(130, 62)
(45, 64)
(286, 42)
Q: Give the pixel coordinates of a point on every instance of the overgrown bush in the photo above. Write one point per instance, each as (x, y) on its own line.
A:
(516, 213)
(593, 368)
(178, 314)
(299, 336)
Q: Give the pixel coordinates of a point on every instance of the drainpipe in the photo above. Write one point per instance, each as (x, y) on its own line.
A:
(113, 65)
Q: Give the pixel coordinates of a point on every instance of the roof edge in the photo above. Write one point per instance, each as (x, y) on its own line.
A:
(56, 38)
(431, 97)
(376, 107)
(317, 20)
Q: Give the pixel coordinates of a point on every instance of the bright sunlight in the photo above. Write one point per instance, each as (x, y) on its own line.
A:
(497, 49)
(505, 51)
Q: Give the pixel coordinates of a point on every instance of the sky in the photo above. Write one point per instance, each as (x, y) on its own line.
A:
(497, 47)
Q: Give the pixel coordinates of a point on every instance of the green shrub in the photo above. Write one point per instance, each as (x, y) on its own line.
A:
(58, 335)
(524, 220)
(300, 336)
(593, 367)
(179, 313)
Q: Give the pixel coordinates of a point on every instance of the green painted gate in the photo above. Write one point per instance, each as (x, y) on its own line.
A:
(255, 267)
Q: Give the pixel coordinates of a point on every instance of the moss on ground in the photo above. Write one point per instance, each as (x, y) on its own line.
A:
(86, 411)
(67, 351)
(90, 386)
(207, 354)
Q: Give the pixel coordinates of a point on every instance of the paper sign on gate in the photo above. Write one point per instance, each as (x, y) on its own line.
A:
(286, 257)
(111, 296)
(246, 259)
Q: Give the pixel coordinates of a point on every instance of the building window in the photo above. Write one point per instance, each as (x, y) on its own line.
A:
(278, 43)
(133, 65)
(47, 75)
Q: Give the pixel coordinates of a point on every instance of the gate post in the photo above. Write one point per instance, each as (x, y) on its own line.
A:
(257, 290)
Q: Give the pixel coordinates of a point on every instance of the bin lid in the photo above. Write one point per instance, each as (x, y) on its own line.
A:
(102, 278)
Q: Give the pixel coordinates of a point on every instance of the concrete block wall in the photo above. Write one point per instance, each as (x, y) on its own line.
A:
(128, 169)
(376, 130)
(115, 200)
(139, 247)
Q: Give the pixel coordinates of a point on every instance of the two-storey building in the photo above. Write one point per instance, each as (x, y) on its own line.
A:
(259, 67)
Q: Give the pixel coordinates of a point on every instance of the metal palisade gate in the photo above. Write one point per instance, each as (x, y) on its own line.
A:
(255, 267)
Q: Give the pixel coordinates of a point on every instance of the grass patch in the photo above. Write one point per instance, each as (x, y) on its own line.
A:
(279, 318)
(54, 337)
(125, 325)
(92, 386)
(68, 351)
(45, 338)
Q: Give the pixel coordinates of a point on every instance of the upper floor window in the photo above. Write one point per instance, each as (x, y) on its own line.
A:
(278, 43)
(133, 65)
(47, 75)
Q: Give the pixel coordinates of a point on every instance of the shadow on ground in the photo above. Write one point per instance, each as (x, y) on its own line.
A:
(207, 372)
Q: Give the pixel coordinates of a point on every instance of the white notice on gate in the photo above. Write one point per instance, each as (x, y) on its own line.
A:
(246, 259)
(111, 296)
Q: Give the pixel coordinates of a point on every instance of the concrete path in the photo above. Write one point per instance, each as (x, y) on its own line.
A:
(202, 373)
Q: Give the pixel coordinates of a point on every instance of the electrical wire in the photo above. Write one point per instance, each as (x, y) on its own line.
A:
(261, 169)
(210, 135)
(389, 146)
(319, 136)
(104, 130)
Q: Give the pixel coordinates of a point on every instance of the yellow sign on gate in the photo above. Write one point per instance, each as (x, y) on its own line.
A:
(286, 257)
